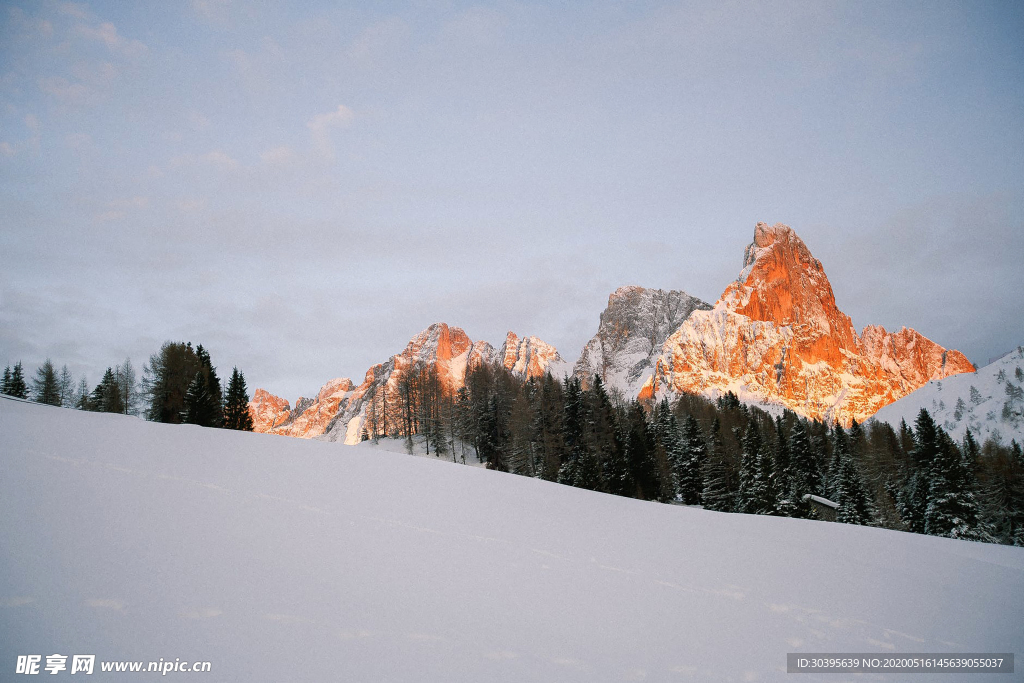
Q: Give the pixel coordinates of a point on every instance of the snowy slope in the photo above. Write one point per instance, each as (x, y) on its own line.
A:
(280, 559)
(994, 410)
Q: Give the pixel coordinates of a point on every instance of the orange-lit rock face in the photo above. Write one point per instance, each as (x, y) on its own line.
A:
(340, 410)
(776, 335)
(530, 357)
(267, 410)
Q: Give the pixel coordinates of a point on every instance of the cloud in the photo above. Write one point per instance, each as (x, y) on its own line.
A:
(191, 205)
(119, 208)
(322, 124)
(7, 150)
(74, 9)
(64, 90)
(212, 10)
(279, 156)
(220, 159)
(107, 34)
(198, 121)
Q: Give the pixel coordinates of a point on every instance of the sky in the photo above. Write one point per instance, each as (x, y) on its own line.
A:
(302, 187)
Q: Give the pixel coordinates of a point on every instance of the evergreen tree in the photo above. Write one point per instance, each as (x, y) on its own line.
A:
(6, 383)
(493, 437)
(913, 497)
(640, 454)
(106, 397)
(783, 476)
(952, 507)
(717, 494)
(16, 386)
(603, 438)
(806, 477)
(167, 379)
(215, 405)
(236, 406)
(695, 455)
(847, 486)
(198, 402)
(753, 496)
(46, 385)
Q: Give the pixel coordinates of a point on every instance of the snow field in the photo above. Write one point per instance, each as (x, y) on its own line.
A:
(285, 559)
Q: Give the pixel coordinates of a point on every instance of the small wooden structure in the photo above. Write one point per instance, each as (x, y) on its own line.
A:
(823, 507)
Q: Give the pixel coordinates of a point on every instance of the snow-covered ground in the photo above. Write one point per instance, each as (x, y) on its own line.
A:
(281, 559)
(989, 401)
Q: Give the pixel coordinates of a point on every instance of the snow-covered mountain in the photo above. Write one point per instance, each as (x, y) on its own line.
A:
(294, 560)
(990, 402)
(631, 334)
(776, 336)
(339, 411)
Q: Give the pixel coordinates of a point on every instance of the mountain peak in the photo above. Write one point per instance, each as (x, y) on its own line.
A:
(782, 282)
(776, 336)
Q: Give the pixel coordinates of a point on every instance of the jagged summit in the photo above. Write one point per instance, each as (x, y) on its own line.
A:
(632, 330)
(776, 336)
(340, 408)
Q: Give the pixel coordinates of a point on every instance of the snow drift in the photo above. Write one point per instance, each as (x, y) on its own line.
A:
(284, 559)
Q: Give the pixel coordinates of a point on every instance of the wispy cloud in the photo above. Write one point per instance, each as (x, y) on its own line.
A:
(279, 156)
(219, 158)
(322, 125)
(64, 90)
(74, 9)
(107, 34)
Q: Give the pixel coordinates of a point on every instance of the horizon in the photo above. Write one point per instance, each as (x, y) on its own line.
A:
(304, 187)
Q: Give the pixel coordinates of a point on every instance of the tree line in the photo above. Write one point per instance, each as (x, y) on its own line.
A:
(720, 454)
(179, 385)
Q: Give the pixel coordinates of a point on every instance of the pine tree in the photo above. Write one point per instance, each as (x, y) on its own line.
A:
(640, 454)
(573, 427)
(913, 497)
(215, 406)
(106, 397)
(753, 497)
(717, 494)
(847, 486)
(197, 402)
(952, 509)
(603, 438)
(167, 379)
(16, 387)
(783, 476)
(236, 406)
(5, 385)
(695, 455)
(46, 386)
(203, 402)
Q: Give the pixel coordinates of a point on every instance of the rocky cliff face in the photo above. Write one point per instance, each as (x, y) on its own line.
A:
(631, 334)
(340, 410)
(267, 410)
(776, 336)
(530, 357)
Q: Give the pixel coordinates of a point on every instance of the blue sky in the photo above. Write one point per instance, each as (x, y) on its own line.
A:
(301, 186)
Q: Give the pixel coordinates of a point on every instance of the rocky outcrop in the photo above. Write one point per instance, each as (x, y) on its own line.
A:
(267, 410)
(341, 410)
(631, 334)
(776, 336)
(530, 357)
